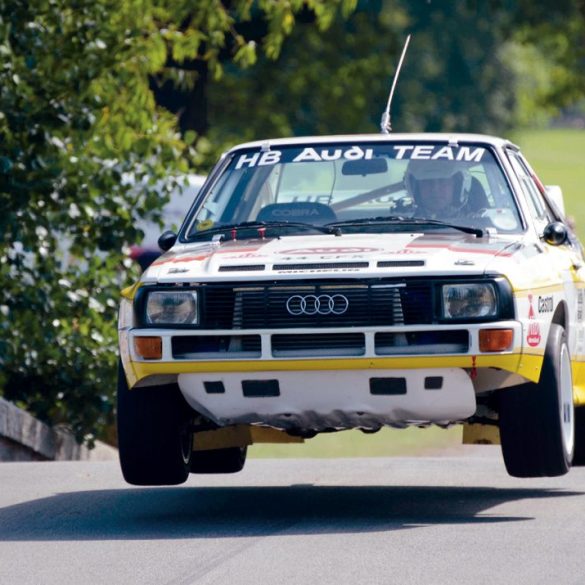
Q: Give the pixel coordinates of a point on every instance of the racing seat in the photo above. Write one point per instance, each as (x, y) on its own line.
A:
(302, 211)
(477, 198)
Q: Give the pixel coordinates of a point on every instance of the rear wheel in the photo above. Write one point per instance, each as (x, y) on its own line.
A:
(154, 437)
(537, 425)
(229, 460)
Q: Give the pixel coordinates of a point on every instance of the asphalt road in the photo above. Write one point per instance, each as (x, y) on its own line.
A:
(455, 519)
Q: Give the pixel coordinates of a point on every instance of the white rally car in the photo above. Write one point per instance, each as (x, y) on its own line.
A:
(356, 282)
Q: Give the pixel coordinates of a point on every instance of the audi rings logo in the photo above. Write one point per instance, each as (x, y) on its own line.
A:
(317, 305)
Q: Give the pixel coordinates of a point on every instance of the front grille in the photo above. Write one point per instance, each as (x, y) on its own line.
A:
(215, 346)
(422, 342)
(379, 302)
(315, 345)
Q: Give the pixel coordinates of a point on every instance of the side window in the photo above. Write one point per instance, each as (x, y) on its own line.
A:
(538, 207)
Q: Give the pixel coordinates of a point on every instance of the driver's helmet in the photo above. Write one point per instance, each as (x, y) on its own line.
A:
(418, 171)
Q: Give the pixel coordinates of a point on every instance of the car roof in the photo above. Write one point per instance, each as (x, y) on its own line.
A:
(405, 137)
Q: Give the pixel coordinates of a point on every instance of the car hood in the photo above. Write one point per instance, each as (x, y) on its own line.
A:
(351, 256)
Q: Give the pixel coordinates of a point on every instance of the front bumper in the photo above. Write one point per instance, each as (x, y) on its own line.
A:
(324, 386)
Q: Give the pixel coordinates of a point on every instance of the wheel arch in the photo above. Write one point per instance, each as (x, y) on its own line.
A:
(560, 316)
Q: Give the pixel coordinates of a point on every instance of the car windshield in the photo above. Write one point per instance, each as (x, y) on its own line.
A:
(359, 187)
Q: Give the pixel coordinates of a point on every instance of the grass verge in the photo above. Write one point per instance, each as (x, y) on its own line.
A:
(385, 443)
(557, 157)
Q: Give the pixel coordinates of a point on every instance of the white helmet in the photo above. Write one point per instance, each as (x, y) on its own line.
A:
(425, 170)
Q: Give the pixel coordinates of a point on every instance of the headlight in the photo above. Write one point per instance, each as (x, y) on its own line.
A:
(469, 301)
(172, 308)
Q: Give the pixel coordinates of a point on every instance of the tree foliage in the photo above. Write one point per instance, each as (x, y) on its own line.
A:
(78, 126)
(85, 152)
(471, 67)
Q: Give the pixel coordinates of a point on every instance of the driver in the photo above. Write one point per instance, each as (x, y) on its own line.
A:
(439, 188)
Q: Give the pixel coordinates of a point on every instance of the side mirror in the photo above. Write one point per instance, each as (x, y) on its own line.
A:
(555, 233)
(167, 240)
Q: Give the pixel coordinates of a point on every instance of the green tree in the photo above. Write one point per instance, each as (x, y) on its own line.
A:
(85, 151)
(471, 67)
(338, 81)
(78, 126)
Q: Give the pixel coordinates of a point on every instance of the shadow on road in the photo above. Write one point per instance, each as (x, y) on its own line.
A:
(211, 512)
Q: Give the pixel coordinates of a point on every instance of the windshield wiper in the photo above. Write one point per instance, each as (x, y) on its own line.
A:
(462, 228)
(368, 221)
(259, 225)
(397, 219)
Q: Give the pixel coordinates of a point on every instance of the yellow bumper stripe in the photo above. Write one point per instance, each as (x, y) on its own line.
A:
(527, 366)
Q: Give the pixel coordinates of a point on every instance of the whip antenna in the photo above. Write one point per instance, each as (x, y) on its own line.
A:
(385, 124)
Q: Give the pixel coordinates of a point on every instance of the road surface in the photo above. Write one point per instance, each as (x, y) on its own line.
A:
(456, 519)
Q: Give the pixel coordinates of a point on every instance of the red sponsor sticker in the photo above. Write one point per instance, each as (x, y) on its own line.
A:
(179, 259)
(205, 254)
(533, 338)
(407, 251)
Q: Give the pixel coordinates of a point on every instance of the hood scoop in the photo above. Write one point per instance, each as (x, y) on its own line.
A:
(242, 268)
(399, 263)
(322, 266)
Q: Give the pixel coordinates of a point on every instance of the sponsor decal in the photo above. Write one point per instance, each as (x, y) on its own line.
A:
(406, 252)
(242, 256)
(228, 251)
(580, 298)
(179, 259)
(309, 154)
(206, 224)
(545, 304)
(533, 337)
(330, 250)
(351, 153)
(262, 158)
(178, 270)
(259, 159)
(433, 152)
(296, 212)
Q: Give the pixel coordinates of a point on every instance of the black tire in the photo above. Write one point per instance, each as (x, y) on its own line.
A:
(537, 420)
(579, 456)
(154, 439)
(229, 460)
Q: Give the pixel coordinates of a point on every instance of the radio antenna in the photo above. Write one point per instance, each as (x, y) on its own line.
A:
(385, 124)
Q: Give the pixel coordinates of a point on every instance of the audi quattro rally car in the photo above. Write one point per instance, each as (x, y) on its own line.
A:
(357, 282)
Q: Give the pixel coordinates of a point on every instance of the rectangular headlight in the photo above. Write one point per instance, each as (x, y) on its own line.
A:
(172, 308)
(469, 301)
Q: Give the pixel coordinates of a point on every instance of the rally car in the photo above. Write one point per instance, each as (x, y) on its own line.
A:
(355, 282)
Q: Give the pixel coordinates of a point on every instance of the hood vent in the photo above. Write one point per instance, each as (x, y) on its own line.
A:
(400, 263)
(322, 266)
(242, 268)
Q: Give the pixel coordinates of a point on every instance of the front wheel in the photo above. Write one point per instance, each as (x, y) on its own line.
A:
(155, 441)
(537, 426)
(228, 460)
